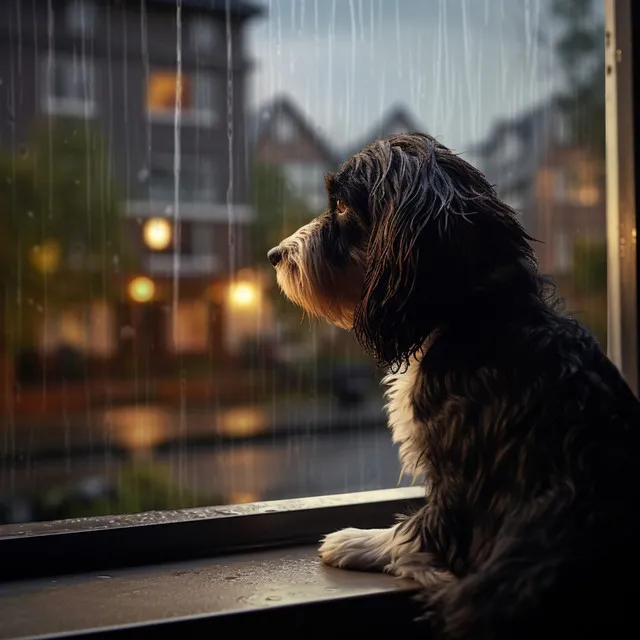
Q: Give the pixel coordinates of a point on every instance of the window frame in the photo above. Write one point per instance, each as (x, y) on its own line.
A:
(622, 89)
(190, 164)
(68, 107)
(88, 544)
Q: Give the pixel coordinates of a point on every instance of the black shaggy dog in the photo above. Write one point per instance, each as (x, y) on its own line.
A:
(526, 435)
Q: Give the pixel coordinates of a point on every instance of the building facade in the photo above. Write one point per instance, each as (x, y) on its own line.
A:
(165, 83)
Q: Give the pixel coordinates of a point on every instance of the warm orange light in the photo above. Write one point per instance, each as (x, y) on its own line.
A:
(157, 233)
(162, 91)
(141, 289)
(243, 294)
(46, 256)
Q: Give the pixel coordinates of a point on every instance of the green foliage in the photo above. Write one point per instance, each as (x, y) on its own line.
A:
(139, 487)
(61, 240)
(279, 212)
(580, 53)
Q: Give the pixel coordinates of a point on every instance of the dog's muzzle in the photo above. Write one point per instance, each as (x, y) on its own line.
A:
(274, 255)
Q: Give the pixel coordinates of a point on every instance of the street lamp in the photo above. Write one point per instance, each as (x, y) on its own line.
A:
(157, 233)
(141, 289)
(243, 294)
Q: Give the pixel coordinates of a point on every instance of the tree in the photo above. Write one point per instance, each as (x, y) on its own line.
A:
(61, 240)
(279, 212)
(579, 50)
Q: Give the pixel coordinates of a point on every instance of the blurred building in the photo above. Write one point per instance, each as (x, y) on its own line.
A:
(550, 181)
(284, 137)
(558, 187)
(184, 179)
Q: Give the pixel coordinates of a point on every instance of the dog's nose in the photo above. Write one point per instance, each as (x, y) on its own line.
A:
(275, 255)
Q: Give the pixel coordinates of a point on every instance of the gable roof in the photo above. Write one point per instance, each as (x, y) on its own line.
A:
(395, 120)
(267, 116)
(528, 126)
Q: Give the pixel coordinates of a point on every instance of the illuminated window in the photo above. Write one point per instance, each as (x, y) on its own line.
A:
(196, 97)
(188, 327)
(89, 330)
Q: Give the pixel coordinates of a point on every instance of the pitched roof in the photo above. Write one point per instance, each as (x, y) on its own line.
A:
(526, 125)
(267, 115)
(395, 120)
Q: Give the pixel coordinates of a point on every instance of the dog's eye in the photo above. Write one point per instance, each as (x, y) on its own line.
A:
(341, 207)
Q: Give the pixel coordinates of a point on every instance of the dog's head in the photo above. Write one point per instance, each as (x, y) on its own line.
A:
(412, 235)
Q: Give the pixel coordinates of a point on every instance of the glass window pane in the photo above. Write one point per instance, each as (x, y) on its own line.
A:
(197, 332)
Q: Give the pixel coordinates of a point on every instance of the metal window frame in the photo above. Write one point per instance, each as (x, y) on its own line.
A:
(111, 542)
(622, 63)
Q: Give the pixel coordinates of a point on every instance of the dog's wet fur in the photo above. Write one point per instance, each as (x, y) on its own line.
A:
(525, 434)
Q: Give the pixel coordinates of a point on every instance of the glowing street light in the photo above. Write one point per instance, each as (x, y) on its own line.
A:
(243, 294)
(141, 289)
(46, 256)
(157, 233)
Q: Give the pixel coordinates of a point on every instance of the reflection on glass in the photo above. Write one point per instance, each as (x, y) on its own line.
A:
(147, 359)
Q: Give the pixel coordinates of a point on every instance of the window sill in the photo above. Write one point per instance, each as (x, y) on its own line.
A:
(288, 589)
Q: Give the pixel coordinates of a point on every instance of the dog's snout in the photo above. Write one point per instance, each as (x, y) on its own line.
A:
(275, 255)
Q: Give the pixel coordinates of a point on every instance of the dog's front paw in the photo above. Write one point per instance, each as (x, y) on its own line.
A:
(355, 549)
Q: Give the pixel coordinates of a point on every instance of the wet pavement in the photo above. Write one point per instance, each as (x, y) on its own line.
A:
(135, 429)
(296, 466)
(228, 456)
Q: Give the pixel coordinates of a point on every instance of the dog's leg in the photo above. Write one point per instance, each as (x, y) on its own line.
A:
(396, 550)
(366, 549)
(422, 568)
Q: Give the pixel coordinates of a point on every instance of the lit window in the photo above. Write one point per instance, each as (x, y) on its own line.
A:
(204, 35)
(81, 17)
(89, 329)
(188, 327)
(196, 97)
(69, 87)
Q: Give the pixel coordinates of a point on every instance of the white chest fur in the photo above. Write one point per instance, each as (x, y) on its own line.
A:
(405, 429)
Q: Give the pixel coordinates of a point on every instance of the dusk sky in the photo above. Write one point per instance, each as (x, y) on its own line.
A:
(457, 65)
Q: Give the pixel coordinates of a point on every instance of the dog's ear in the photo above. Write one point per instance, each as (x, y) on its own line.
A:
(438, 232)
